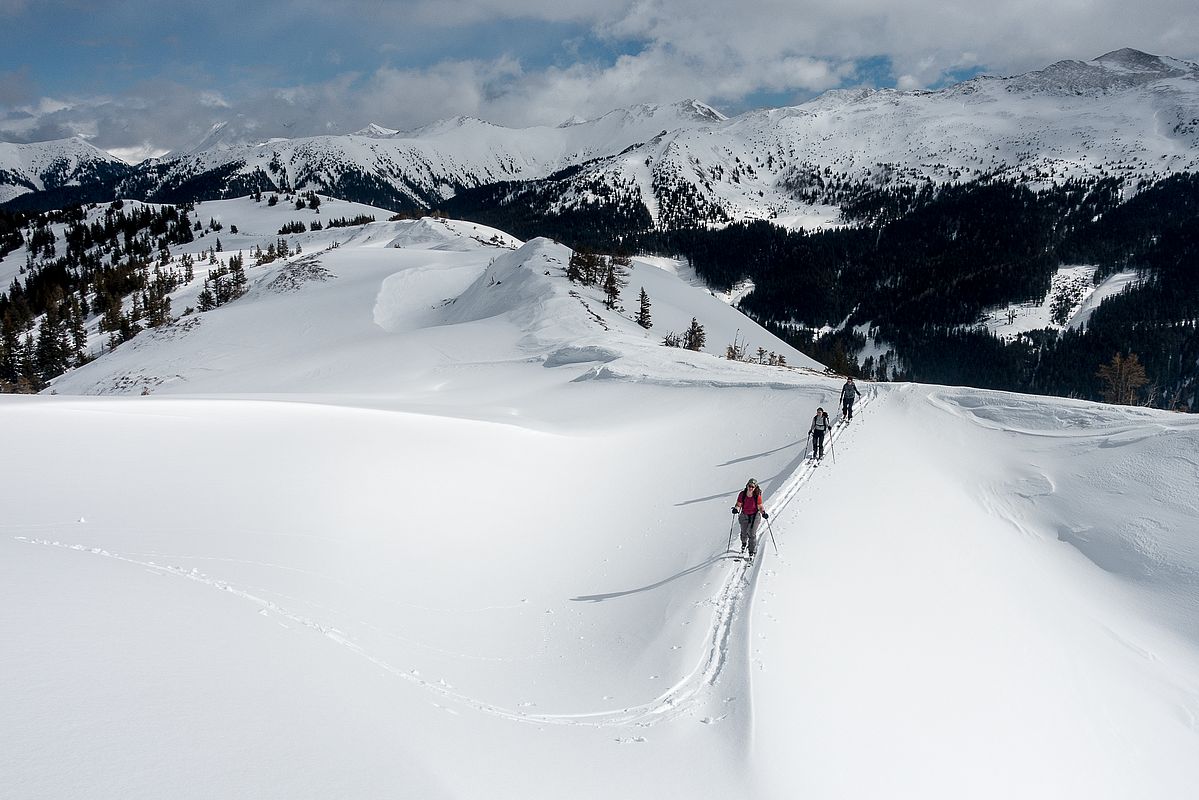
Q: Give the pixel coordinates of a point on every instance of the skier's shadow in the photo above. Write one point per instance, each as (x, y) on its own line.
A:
(743, 459)
(768, 484)
(733, 493)
(599, 598)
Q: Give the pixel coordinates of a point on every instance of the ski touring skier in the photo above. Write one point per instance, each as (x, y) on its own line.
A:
(820, 426)
(750, 511)
(849, 393)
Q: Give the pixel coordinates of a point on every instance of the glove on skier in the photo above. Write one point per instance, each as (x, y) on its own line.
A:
(765, 515)
(734, 510)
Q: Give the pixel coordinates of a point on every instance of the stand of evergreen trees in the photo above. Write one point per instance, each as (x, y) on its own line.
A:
(114, 265)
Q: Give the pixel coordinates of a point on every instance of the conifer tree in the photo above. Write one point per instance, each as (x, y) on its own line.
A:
(206, 301)
(694, 337)
(611, 288)
(237, 275)
(77, 331)
(574, 268)
(10, 345)
(643, 316)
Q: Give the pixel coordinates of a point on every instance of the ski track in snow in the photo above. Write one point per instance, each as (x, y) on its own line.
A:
(728, 602)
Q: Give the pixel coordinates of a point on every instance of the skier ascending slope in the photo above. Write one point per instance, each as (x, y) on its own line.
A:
(748, 508)
(820, 426)
(849, 393)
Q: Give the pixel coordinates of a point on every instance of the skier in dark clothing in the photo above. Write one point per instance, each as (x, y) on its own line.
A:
(849, 393)
(820, 426)
(748, 508)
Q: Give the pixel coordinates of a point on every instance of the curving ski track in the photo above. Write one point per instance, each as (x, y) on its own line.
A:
(679, 698)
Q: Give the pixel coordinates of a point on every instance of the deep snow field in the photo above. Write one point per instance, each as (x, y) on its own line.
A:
(411, 520)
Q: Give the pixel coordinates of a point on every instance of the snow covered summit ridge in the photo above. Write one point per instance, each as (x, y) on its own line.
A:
(385, 306)
(53, 164)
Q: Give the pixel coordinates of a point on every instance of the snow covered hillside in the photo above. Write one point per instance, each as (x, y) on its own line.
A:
(416, 516)
(376, 307)
(1072, 297)
(1126, 114)
(51, 165)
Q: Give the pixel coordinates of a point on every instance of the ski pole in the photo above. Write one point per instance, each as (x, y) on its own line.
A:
(806, 444)
(770, 529)
(831, 448)
(732, 525)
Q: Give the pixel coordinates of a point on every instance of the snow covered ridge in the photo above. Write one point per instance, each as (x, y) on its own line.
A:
(355, 309)
(62, 163)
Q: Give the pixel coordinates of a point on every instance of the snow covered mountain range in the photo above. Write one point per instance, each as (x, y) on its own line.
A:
(1126, 113)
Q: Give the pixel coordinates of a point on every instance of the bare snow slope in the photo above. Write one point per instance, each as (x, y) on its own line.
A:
(417, 521)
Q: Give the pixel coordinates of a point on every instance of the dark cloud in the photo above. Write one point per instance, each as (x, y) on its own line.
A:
(33, 130)
(16, 88)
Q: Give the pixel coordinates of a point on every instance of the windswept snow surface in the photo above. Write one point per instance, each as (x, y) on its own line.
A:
(410, 519)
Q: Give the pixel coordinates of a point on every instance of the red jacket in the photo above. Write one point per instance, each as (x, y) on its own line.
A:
(749, 504)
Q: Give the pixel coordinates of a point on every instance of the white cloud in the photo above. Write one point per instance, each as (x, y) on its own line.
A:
(664, 50)
(138, 154)
(212, 99)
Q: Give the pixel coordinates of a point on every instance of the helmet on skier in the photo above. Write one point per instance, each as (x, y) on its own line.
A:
(751, 482)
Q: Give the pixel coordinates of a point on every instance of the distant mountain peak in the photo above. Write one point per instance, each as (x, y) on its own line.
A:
(1131, 59)
(1118, 70)
(375, 131)
(701, 110)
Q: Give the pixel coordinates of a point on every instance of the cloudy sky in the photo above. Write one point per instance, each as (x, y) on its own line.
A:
(140, 78)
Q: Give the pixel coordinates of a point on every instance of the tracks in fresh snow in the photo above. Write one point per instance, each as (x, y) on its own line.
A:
(729, 600)
(682, 697)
